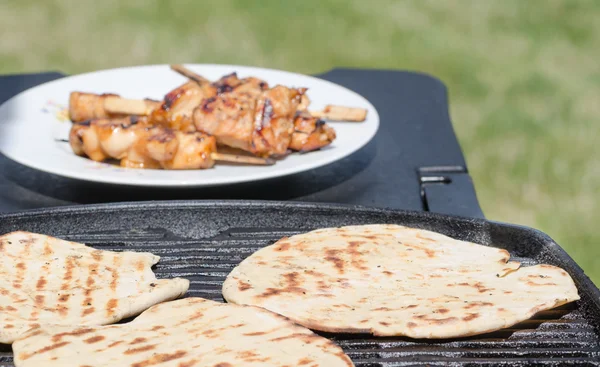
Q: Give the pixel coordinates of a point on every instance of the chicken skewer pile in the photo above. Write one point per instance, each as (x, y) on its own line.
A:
(241, 113)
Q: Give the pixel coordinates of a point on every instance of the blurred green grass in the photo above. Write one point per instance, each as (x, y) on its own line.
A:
(523, 76)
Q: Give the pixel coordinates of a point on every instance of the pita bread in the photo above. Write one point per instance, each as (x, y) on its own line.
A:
(391, 280)
(187, 332)
(48, 280)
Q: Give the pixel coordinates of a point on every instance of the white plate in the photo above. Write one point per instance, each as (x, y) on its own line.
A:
(30, 128)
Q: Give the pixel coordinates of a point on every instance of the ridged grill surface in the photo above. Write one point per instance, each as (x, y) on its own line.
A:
(558, 337)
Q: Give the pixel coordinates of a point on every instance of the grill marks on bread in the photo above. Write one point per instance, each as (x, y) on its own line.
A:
(49, 280)
(392, 280)
(186, 332)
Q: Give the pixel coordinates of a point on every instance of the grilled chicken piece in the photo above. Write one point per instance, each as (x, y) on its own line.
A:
(87, 106)
(251, 86)
(261, 125)
(194, 152)
(153, 145)
(76, 137)
(227, 117)
(104, 138)
(176, 110)
(171, 149)
(310, 133)
(304, 102)
(139, 145)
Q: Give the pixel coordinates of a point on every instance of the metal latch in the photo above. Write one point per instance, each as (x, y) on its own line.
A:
(448, 190)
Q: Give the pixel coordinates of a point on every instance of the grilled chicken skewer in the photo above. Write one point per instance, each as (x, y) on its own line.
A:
(330, 112)
(140, 145)
(175, 111)
(85, 106)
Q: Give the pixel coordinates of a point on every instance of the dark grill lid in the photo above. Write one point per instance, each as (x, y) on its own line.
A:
(204, 241)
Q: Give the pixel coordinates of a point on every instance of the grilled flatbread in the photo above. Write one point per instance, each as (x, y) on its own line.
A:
(391, 280)
(45, 280)
(187, 332)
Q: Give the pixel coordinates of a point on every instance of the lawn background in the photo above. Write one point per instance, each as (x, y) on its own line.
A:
(523, 76)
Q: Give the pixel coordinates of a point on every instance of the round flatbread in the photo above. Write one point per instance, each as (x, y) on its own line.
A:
(46, 280)
(392, 280)
(190, 332)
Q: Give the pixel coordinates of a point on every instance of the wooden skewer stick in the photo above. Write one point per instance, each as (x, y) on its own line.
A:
(189, 74)
(125, 106)
(341, 113)
(234, 158)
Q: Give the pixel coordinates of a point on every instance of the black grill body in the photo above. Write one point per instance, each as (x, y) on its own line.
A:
(204, 240)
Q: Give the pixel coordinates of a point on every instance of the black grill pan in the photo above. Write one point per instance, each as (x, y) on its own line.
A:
(204, 240)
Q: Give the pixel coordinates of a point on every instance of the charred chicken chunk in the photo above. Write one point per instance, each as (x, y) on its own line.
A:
(310, 133)
(176, 110)
(262, 125)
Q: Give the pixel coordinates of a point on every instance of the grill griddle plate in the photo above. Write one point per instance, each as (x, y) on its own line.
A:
(204, 241)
